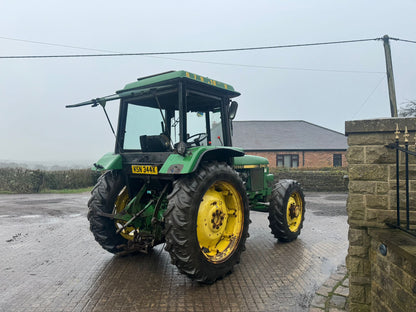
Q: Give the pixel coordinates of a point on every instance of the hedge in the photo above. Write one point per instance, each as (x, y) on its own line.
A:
(20, 180)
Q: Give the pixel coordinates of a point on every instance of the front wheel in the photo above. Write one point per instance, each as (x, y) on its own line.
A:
(206, 222)
(287, 210)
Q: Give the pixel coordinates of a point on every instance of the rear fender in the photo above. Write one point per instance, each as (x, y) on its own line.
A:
(178, 164)
(109, 161)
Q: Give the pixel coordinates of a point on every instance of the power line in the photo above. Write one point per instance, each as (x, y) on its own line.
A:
(404, 40)
(56, 44)
(204, 62)
(189, 52)
(155, 54)
(369, 96)
(276, 67)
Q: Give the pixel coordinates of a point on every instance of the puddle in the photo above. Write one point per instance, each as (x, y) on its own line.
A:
(74, 215)
(30, 216)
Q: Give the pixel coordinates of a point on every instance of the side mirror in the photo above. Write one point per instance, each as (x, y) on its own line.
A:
(232, 110)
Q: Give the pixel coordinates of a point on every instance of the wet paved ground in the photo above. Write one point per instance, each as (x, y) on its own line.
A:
(49, 261)
(332, 296)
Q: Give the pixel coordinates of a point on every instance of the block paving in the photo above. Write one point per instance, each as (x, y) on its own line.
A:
(50, 262)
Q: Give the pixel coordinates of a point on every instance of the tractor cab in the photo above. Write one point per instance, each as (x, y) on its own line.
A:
(169, 122)
(172, 112)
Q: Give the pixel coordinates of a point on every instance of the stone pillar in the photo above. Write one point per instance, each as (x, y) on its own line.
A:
(371, 200)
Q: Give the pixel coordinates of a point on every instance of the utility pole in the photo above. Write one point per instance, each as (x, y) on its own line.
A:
(390, 77)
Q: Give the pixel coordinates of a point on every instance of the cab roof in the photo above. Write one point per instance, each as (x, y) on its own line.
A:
(172, 77)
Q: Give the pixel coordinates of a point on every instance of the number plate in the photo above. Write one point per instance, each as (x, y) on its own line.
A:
(143, 169)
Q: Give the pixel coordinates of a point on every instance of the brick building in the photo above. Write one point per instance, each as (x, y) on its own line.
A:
(291, 143)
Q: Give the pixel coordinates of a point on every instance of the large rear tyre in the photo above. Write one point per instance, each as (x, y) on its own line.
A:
(206, 222)
(106, 193)
(287, 210)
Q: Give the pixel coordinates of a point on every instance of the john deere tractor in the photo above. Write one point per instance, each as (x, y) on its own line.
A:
(175, 177)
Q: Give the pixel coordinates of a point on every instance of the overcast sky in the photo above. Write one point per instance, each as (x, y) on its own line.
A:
(325, 85)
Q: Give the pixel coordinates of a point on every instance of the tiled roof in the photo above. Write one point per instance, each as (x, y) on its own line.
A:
(286, 135)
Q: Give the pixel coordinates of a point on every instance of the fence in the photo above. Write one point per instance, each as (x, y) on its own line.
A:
(408, 227)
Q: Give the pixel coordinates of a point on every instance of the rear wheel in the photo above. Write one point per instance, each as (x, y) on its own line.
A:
(107, 197)
(287, 210)
(206, 223)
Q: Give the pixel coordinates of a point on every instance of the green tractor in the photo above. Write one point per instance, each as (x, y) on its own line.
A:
(175, 178)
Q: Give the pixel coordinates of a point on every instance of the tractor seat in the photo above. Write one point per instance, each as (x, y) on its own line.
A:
(155, 143)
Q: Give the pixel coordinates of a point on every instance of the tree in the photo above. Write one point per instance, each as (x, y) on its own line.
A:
(408, 110)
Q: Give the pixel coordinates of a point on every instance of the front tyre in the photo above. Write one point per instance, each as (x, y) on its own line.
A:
(287, 210)
(206, 222)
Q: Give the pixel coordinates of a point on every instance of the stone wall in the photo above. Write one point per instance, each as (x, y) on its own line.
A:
(378, 281)
(316, 180)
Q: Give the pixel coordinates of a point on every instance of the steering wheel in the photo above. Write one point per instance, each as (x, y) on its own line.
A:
(199, 137)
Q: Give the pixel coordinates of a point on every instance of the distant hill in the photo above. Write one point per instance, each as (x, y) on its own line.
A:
(51, 166)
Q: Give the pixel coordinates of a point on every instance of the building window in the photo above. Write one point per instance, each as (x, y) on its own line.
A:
(337, 160)
(287, 161)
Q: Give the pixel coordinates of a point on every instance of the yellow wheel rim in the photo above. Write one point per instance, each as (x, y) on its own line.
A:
(220, 221)
(294, 211)
(121, 202)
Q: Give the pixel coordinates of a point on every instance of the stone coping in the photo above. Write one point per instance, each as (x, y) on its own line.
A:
(379, 125)
(399, 241)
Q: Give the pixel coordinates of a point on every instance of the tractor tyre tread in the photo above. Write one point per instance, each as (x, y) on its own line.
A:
(103, 197)
(180, 233)
(277, 211)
